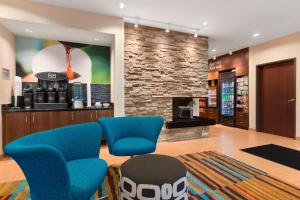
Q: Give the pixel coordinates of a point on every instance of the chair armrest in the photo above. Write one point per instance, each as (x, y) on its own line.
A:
(45, 170)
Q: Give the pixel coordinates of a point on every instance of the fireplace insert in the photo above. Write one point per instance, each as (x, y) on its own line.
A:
(183, 116)
(182, 108)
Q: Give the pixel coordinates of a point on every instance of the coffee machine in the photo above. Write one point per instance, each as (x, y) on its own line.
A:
(52, 91)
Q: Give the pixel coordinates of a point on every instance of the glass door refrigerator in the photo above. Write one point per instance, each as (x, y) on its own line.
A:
(227, 98)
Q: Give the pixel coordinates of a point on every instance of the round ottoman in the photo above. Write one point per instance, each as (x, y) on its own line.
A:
(153, 177)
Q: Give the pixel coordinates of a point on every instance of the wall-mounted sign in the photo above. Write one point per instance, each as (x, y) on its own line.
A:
(51, 76)
(84, 63)
(5, 74)
(215, 65)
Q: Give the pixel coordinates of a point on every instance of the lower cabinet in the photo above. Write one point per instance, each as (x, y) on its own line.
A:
(62, 118)
(19, 124)
(85, 116)
(40, 121)
(15, 125)
(104, 113)
(242, 120)
(211, 113)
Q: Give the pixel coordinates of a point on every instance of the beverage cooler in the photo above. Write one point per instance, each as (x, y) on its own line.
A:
(242, 95)
(212, 94)
(227, 98)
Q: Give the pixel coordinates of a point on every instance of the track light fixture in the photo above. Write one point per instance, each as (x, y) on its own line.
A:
(159, 24)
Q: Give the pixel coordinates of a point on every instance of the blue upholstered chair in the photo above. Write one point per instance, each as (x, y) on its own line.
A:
(61, 164)
(129, 136)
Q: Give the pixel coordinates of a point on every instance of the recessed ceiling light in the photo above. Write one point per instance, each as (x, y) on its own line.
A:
(214, 50)
(28, 30)
(122, 5)
(96, 39)
(256, 34)
(205, 23)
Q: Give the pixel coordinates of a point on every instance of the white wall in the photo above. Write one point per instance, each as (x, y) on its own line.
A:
(7, 61)
(51, 15)
(275, 50)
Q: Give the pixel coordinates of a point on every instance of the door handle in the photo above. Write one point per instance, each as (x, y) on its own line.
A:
(291, 100)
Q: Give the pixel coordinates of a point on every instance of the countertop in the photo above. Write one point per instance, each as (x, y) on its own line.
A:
(11, 109)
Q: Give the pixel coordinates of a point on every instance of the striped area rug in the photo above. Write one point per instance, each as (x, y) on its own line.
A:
(211, 176)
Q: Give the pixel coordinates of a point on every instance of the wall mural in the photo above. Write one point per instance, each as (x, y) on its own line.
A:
(80, 62)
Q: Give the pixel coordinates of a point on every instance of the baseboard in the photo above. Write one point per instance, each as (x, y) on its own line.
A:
(252, 129)
(298, 138)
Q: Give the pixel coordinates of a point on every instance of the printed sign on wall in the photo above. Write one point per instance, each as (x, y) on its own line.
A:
(79, 62)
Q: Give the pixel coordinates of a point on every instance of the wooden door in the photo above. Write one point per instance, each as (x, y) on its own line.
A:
(62, 118)
(40, 121)
(15, 125)
(85, 116)
(277, 98)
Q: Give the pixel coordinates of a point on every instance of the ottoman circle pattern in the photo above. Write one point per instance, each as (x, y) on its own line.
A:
(153, 177)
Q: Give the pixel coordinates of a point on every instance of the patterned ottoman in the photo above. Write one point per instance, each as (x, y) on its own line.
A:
(153, 177)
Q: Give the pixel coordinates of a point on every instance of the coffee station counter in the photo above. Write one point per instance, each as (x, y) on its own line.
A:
(12, 109)
(17, 123)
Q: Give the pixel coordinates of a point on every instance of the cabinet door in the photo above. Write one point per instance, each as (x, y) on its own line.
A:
(84, 116)
(105, 113)
(62, 118)
(15, 125)
(40, 121)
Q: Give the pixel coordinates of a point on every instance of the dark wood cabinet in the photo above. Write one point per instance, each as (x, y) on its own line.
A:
(40, 121)
(21, 123)
(85, 116)
(62, 118)
(104, 113)
(242, 120)
(15, 125)
(211, 113)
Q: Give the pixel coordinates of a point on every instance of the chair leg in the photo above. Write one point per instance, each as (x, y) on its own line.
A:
(103, 198)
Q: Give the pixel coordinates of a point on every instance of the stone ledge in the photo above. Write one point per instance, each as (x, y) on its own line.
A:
(178, 134)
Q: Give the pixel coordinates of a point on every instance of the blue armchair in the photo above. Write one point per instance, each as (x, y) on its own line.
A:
(129, 136)
(61, 164)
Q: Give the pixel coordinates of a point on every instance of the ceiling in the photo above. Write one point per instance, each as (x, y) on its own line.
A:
(57, 33)
(231, 23)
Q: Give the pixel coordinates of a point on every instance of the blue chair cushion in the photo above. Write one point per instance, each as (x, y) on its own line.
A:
(133, 146)
(86, 175)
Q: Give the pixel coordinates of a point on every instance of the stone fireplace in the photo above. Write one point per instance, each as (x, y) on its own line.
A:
(160, 66)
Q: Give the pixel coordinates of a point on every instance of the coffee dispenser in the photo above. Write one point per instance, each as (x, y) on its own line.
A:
(28, 97)
(52, 90)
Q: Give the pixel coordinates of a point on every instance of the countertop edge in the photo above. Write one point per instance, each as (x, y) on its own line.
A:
(53, 110)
